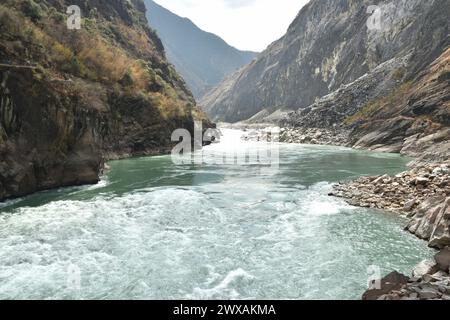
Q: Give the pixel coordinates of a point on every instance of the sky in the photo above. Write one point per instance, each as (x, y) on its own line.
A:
(244, 24)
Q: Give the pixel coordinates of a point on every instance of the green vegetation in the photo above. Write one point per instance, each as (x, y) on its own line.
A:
(32, 10)
(111, 52)
(127, 79)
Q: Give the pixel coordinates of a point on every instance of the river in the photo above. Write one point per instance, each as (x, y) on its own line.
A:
(152, 229)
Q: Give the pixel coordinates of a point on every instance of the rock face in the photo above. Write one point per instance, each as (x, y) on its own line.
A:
(329, 45)
(69, 99)
(202, 58)
(431, 221)
(412, 119)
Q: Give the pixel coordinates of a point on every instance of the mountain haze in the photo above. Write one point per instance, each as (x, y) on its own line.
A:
(202, 58)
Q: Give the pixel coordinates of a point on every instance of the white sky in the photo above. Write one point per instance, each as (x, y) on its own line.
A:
(244, 24)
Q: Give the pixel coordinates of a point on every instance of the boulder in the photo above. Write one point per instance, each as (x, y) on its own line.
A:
(440, 236)
(380, 179)
(421, 181)
(429, 293)
(392, 282)
(441, 170)
(423, 220)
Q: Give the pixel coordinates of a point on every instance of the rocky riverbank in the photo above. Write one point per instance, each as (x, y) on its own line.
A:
(430, 280)
(314, 136)
(422, 194)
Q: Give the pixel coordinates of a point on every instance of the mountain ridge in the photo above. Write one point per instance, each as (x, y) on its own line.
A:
(329, 45)
(201, 57)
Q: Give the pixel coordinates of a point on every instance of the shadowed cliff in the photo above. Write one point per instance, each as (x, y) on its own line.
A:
(69, 99)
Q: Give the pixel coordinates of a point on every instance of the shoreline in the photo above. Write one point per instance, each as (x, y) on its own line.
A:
(421, 194)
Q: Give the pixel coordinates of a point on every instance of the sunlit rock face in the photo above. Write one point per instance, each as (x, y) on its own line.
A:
(330, 44)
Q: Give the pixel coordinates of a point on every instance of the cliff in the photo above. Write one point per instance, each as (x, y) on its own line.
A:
(70, 99)
(328, 46)
(384, 113)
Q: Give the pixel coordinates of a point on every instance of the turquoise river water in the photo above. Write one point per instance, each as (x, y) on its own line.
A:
(152, 229)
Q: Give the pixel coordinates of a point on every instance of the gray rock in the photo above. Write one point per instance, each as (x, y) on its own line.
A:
(429, 293)
(409, 205)
(441, 170)
(422, 181)
(440, 236)
(443, 259)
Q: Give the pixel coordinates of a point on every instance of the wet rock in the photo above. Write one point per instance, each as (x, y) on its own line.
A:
(427, 284)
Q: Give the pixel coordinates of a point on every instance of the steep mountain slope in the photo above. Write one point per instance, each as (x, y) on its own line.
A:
(329, 45)
(202, 58)
(69, 99)
(381, 112)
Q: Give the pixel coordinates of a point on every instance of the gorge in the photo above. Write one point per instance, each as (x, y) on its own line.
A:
(93, 207)
(335, 79)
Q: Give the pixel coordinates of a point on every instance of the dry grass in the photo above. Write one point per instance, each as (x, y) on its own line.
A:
(93, 55)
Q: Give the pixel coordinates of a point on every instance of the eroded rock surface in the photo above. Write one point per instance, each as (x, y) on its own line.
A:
(329, 46)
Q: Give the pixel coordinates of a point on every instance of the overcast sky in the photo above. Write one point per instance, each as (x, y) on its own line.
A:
(244, 24)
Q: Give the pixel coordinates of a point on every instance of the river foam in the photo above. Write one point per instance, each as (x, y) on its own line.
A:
(154, 230)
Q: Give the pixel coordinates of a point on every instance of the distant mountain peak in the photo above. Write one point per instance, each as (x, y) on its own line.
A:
(202, 58)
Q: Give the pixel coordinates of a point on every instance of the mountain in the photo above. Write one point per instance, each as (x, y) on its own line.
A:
(329, 46)
(71, 99)
(202, 58)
